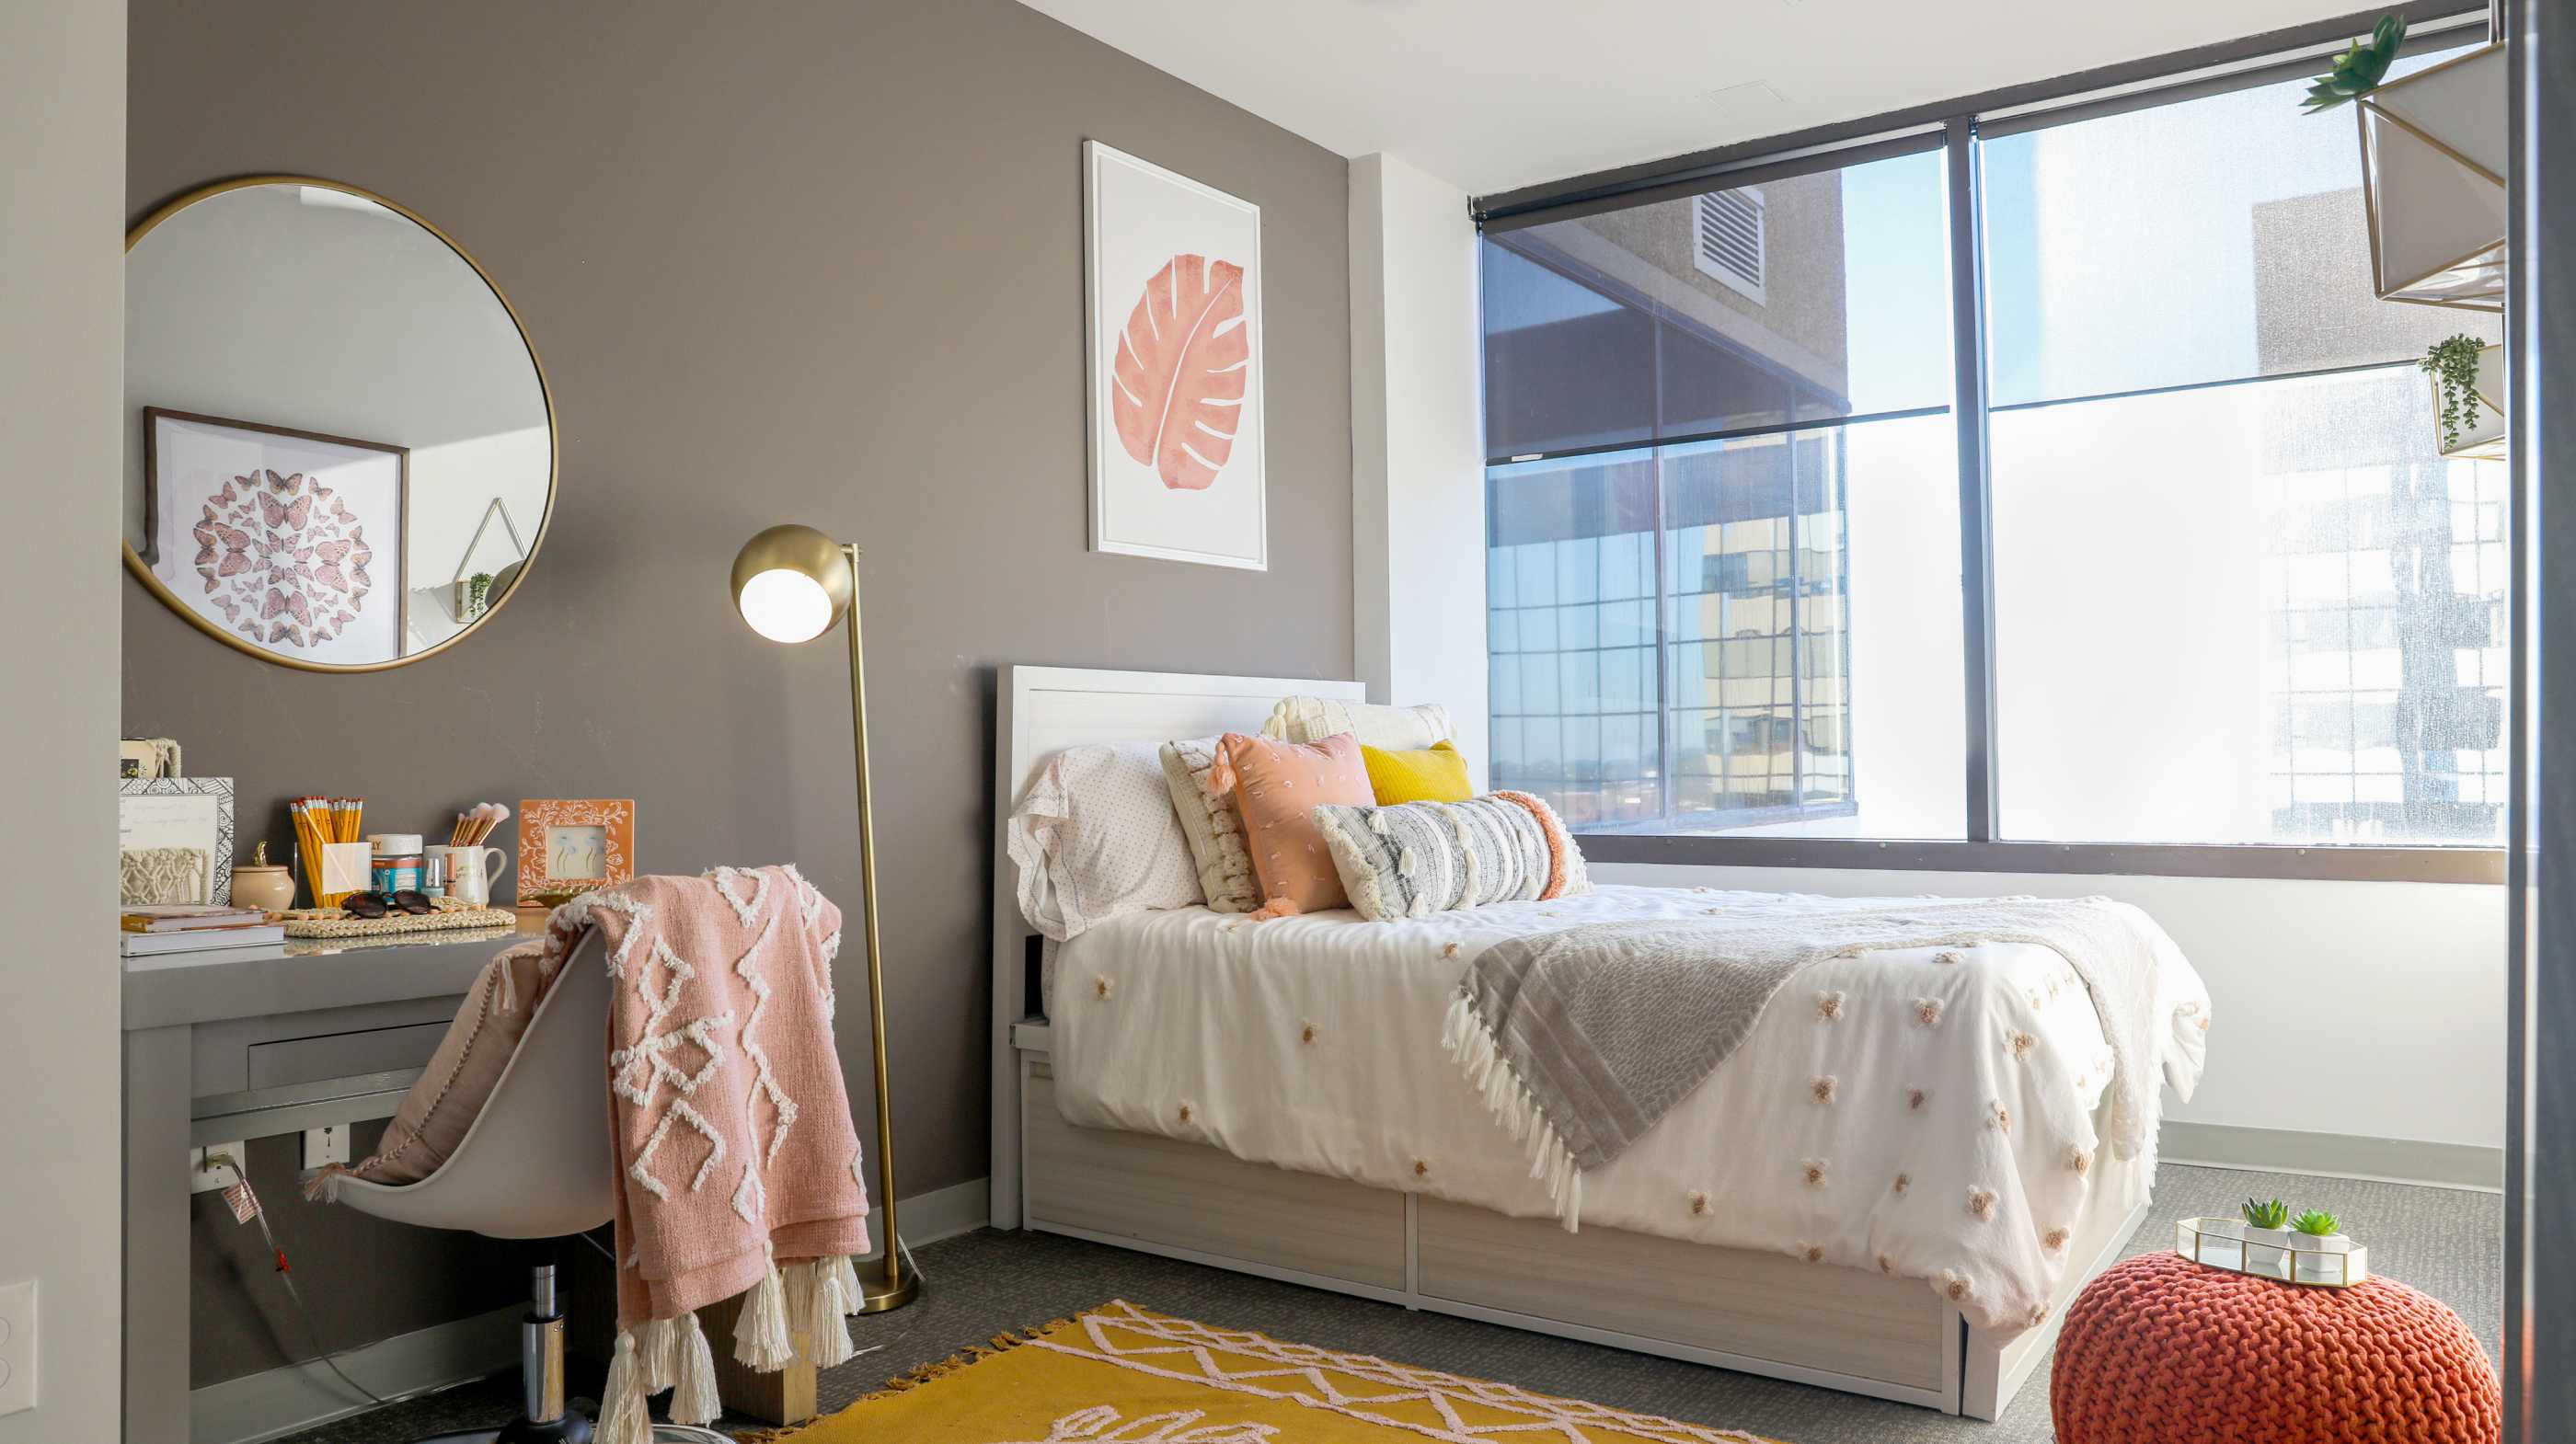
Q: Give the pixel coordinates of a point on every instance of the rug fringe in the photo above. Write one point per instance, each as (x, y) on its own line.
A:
(1473, 1047)
(914, 1378)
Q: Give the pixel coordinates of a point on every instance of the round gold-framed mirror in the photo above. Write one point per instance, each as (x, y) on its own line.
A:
(341, 451)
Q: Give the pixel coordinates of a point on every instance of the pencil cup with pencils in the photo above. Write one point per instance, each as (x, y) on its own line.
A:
(330, 839)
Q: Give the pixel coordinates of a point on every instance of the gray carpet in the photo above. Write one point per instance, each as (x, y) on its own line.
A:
(2449, 1244)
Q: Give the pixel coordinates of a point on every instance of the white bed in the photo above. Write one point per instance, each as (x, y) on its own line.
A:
(1190, 1061)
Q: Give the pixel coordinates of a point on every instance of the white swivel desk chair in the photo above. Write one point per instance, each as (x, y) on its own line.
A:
(537, 1163)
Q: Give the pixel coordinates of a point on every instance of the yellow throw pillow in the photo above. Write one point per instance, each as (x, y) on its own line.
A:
(1435, 774)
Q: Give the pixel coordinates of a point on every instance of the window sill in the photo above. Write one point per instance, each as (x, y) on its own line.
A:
(2321, 863)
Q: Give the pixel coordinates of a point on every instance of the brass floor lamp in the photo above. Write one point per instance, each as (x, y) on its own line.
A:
(791, 583)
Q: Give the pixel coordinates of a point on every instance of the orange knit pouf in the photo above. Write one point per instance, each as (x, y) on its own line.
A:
(2160, 1350)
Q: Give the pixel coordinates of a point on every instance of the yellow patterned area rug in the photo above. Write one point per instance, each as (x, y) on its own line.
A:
(1121, 1375)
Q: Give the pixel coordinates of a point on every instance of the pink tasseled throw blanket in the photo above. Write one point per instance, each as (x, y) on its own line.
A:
(738, 1167)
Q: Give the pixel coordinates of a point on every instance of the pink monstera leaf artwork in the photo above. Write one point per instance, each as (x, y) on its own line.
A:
(1184, 363)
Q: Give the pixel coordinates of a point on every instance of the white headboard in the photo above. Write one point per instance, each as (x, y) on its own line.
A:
(1040, 711)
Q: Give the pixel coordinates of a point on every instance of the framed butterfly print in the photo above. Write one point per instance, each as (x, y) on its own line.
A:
(292, 540)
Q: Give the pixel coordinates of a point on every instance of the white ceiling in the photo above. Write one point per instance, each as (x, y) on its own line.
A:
(1493, 94)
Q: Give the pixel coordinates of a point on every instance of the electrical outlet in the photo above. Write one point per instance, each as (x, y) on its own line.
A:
(326, 1145)
(18, 1347)
(214, 1178)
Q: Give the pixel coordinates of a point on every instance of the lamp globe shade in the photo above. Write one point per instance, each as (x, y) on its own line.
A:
(791, 583)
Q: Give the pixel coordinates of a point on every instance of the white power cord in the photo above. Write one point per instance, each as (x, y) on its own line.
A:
(259, 1215)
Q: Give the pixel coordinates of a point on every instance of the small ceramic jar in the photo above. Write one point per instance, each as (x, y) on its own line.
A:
(263, 886)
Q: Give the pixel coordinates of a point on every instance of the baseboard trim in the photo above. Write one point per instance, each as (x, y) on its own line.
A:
(944, 1213)
(2333, 1155)
(296, 1397)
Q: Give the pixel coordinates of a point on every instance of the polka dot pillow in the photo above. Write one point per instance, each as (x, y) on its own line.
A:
(1096, 837)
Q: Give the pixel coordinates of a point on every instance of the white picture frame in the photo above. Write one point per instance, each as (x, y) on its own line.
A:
(291, 540)
(195, 812)
(1167, 481)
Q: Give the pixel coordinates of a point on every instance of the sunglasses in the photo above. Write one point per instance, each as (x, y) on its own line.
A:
(378, 904)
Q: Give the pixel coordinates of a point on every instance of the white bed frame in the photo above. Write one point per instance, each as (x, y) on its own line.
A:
(1758, 1312)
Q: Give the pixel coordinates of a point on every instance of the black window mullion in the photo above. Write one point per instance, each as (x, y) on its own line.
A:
(1976, 491)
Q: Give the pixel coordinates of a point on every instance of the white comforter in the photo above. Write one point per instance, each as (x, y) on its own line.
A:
(1847, 1129)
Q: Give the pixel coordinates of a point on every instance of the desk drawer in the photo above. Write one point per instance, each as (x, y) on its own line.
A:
(342, 1055)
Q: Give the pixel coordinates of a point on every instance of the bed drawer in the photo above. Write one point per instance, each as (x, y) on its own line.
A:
(1185, 1195)
(1761, 1306)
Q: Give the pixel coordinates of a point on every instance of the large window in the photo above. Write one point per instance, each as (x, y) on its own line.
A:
(2238, 595)
(1720, 436)
(2235, 594)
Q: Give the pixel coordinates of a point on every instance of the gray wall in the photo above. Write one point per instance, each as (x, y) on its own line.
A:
(62, 299)
(816, 262)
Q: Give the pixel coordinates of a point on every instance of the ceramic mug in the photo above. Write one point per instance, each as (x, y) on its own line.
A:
(469, 875)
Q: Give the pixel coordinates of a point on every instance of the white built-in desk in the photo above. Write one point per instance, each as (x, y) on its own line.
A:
(247, 1043)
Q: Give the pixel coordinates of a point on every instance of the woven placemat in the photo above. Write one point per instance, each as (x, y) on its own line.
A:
(333, 923)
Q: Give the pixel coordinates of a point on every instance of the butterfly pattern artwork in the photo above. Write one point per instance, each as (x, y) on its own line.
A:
(283, 558)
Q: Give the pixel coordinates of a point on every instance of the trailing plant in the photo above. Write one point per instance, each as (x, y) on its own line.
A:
(2316, 1223)
(2453, 365)
(478, 594)
(2358, 71)
(2267, 1215)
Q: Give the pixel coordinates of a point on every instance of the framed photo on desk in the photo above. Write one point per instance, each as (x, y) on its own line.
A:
(570, 845)
(174, 840)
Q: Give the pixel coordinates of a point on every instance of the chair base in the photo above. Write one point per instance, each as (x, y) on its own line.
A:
(571, 1429)
(574, 1427)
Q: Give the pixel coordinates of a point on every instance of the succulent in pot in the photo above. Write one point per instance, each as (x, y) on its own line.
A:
(2269, 1221)
(2318, 1238)
(2267, 1237)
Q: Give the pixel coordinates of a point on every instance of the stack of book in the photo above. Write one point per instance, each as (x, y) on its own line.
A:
(144, 932)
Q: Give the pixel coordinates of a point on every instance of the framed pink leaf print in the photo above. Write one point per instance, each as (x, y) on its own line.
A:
(1173, 280)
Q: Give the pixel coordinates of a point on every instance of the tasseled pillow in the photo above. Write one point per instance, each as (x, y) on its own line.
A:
(1420, 858)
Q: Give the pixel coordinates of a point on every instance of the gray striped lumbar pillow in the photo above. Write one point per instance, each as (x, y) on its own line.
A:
(1419, 858)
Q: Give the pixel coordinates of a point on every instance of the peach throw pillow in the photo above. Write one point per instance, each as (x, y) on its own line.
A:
(434, 1117)
(1278, 785)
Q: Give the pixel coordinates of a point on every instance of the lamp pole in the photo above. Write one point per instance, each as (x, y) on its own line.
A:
(896, 1286)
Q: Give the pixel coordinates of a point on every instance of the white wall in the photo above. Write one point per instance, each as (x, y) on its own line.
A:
(2365, 1008)
(62, 296)
(1417, 455)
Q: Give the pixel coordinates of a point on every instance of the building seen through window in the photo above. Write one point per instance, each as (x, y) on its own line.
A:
(1723, 577)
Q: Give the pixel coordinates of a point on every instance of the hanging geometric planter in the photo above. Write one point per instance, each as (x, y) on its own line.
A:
(2483, 438)
(2432, 178)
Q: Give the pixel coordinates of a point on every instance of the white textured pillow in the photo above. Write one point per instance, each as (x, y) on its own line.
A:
(1213, 825)
(1418, 858)
(1389, 729)
(1095, 837)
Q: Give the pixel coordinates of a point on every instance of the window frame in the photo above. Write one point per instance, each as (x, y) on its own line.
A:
(1955, 128)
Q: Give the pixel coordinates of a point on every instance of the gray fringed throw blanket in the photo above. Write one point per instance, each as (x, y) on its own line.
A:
(1581, 1040)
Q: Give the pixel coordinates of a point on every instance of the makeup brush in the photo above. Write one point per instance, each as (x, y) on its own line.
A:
(494, 814)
